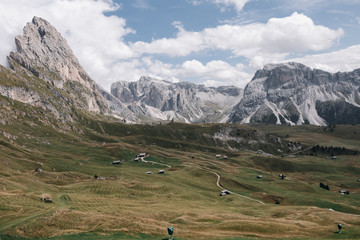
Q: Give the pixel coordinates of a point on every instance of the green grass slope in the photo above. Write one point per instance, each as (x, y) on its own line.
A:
(124, 202)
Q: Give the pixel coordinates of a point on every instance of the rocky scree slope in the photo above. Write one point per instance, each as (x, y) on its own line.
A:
(295, 94)
(186, 102)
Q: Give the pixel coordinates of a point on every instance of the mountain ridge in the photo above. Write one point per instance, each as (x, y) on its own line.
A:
(286, 93)
(45, 53)
(291, 93)
(182, 101)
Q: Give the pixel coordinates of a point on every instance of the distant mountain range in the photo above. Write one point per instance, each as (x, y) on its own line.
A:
(186, 102)
(288, 93)
(294, 94)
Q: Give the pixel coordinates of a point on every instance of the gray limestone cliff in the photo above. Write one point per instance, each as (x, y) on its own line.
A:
(295, 94)
(183, 101)
(45, 53)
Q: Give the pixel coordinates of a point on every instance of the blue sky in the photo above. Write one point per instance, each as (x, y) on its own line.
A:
(215, 42)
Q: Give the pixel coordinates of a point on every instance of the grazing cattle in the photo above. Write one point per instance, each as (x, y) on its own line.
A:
(282, 176)
(259, 176)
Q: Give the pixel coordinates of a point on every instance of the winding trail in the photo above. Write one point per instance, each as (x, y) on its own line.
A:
(222, 188)
(219, 185)
(163, 164)
(217, 181)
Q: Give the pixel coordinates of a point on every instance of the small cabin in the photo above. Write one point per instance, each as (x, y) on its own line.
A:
(161, 171)
(224, 192)
(343, 191)
(141, 155)
(47, 199)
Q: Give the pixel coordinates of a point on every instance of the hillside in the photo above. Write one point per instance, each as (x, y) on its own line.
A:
(128, 201)
(59, 142)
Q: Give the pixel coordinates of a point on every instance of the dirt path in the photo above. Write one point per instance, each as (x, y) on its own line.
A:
(217, 181)
(101, 128)
(219, 185)
(163, 164)
(222, 188)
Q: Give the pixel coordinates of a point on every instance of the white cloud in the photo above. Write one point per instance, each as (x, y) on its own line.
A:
(343, 60)
(184, 44)
(279, 37)
(237, 4)
(91, 34)
(98, 42)
(142, 4)
(219, 72)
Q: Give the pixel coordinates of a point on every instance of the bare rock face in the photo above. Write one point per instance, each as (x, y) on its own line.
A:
(183, 101)
(43, 51)
(295, 94)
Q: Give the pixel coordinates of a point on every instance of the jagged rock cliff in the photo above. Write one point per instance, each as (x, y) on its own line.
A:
(46, 74)
(46, 54)
(186, 102)
(295, 94)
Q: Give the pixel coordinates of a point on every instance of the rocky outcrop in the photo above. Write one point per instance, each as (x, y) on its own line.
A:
(46, 74)
(186, 102)
(295, 94)
(44, 52)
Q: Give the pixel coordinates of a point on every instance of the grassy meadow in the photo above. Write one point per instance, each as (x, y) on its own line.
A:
(130, 204)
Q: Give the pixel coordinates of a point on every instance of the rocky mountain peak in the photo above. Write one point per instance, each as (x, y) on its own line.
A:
(146, 80)
(183, 101)
(42, 50)
(292, 93)
(284, 66)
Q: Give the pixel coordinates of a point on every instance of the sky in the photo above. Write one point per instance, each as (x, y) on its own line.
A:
(211, 42)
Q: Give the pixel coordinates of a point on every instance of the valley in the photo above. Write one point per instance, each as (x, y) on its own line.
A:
(68, 150)
(130, 204)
